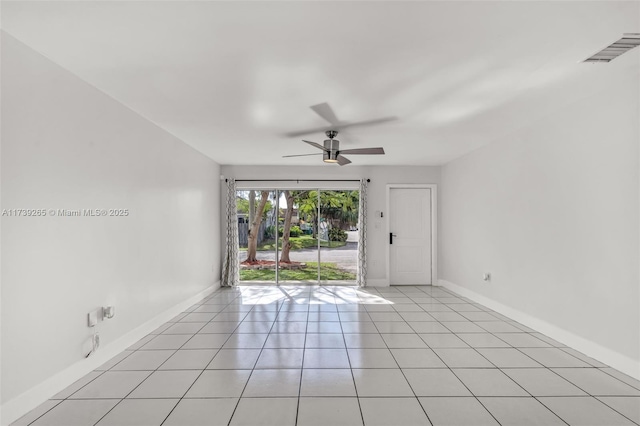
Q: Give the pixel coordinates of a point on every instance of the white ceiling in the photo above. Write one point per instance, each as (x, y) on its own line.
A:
(230, 78)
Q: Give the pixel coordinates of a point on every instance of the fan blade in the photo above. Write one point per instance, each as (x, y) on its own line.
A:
(341, 126)
(301, 155)
(325, 111)
(308, 131)
(367, 122)
(342, 160)
(317, 145)
(367, 151)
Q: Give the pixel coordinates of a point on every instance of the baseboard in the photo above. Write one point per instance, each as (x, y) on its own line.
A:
(594, 350)
(377, 282)
(22, 404)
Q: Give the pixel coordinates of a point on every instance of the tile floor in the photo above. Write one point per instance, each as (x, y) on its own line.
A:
(309, 355)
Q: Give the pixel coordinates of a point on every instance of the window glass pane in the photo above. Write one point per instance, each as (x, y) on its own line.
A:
(338, 235)
(257, 218)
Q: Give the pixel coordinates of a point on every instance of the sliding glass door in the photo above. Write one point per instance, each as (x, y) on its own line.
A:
(257, 222)
(338, 236)
(293, 236)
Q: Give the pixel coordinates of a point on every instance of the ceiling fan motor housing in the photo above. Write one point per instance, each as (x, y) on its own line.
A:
(331, 147)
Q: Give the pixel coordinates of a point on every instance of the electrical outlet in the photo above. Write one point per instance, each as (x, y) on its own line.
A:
(108, 312)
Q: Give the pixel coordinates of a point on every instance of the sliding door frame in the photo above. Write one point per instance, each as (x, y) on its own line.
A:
(277, 186)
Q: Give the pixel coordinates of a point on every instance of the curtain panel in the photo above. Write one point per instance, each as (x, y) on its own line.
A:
(362, 235)
(230, 273)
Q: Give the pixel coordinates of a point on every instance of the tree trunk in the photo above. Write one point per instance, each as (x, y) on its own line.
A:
(255, 226)
(314, 226)
(286, 244)
(252, 206)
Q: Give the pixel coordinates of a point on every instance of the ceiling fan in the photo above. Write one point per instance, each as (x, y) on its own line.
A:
(331, 152)
(331, 149)
(326, 112)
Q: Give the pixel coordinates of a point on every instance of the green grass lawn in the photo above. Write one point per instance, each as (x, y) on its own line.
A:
(298, 243)
(328, 272)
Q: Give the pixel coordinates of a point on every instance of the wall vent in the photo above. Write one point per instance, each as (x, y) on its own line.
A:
(626, 43)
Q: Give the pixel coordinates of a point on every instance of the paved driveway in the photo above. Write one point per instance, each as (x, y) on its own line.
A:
(346, 257)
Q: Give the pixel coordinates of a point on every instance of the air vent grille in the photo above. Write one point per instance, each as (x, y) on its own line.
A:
(626, 43)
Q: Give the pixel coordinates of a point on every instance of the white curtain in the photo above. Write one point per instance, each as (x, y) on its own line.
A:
(230, 274)
(362, 235)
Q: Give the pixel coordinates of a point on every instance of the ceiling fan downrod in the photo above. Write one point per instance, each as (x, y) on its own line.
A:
(331, 147)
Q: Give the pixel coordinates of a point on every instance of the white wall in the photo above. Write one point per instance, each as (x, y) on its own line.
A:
(65, 145)
(380, 177)
(552, 212)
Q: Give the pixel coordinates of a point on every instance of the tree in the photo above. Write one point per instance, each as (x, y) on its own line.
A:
(341, 206)
(244, 206)
(308, 206)
(337, 205)
(286, 244)
(255, 226)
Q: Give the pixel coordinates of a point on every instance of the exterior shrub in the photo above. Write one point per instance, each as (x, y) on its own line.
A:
(295, 231)
(337, 234)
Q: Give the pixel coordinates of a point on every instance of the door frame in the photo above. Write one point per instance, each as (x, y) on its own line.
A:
(434, 226)
(277, 188)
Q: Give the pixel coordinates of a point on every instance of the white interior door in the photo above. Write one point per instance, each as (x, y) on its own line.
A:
(410, 236)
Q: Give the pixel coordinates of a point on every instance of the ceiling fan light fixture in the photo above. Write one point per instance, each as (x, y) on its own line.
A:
(330, 157)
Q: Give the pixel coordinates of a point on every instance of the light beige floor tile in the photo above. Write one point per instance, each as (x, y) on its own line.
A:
(189, 359)
(76, 412)
(371, 358)
(335, 411)
(272, 412)
(523, 411)
(585, 411)
(364, 341)
(596, 382)
(393, 411)
(542, 382)
(507, 358)
(206, 341)
(326, 358)
(443, 340)
(628, 406)
(435, 382)
(166, 384)
(381, 382)
(403, 341)
(234, 359)
(273, 383)
(199, 412)
(457, 411)
(327, 382)
(553, 357)
(280, 358)
(37, 412)
(139, 412)
(112, 384)
(246, 341)
(70, 390)
(144, 360)
(485, 340)
(219, 384)
(462, 357)
(488, 382)
(417, 358)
